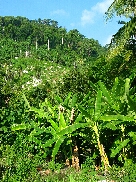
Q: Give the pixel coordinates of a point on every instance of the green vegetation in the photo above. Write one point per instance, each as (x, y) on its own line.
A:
(67, 104)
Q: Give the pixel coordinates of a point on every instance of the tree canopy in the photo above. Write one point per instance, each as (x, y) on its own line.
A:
(19, 34)
(126, 35)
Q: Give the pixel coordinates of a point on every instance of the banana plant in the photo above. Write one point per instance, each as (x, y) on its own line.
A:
(53, 121)
(114, 110)
(92, 117)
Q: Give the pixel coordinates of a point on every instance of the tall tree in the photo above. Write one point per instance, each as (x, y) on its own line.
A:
(122, 38)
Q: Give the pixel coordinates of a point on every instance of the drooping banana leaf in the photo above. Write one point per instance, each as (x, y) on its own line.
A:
(57, 146)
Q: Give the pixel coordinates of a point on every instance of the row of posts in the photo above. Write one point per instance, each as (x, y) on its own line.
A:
(62, 41)
(27, 53)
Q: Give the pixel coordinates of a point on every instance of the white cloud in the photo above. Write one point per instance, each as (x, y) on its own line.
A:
(59, 12)
(87, 17)
(102, 7)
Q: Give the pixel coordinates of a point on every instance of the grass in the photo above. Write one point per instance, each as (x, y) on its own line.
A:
(22, 166)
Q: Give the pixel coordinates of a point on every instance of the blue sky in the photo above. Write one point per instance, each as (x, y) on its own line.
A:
(87, 16)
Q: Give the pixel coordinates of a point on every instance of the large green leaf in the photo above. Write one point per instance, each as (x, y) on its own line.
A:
(108, 96)
(62, 122)
(41, 113)
(98, 104)
(34, 140)
(26, 101)
(52, 131)
(57, 146)
(79, 118)
(84, 112)
(50, 108)
(85, 99)
(74, 100)
(131, 104)
(117, 149)
(93, 86)
(117, 89)
(54, 125)
(109, 125)
(49, 142)
(59, 99)
(71, 128)
(116, 117)
(133, 136)
(105, 92)
(38, 131)
(66, 101)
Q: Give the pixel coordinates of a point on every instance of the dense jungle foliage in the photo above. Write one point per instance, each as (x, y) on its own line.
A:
(67, 104)
(21, 37)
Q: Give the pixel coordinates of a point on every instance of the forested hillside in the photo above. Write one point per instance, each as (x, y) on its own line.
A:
(43, 39)
(67, 104)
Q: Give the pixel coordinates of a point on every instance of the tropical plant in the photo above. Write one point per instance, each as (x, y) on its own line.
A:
(54, 125)
(126, 34)
(114, 112)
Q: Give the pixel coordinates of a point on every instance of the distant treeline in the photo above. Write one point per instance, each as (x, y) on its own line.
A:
(19, 34)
